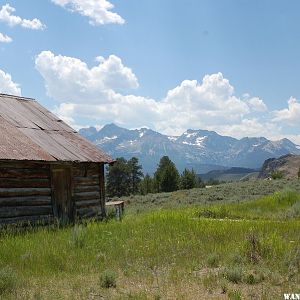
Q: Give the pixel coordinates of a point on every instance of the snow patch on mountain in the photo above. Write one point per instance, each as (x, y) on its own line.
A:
(198, 149)
(172, 138)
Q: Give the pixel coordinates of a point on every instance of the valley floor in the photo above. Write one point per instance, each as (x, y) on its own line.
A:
(198, 247)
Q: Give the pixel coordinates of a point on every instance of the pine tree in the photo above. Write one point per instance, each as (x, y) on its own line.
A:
(147, 185)
(188, 179)
(118, 179)
(166, 175)
(136, 174)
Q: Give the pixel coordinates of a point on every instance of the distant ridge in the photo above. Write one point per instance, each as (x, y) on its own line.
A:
(288, 164)
(231, 174)
(201, 150)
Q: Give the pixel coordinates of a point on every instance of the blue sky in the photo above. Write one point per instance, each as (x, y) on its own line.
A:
(223, 65)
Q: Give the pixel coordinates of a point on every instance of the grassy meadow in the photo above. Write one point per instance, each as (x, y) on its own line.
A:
(233, 241)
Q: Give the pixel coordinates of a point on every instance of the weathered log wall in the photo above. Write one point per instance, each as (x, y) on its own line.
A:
(25, 192)
(88, 193)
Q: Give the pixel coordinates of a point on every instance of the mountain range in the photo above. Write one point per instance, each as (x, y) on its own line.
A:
(201, 150)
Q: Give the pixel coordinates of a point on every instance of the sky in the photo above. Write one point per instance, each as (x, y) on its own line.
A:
(232, 66)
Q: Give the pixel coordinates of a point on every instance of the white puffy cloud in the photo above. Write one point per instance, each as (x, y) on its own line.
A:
(290, 115)
(70, 79)
(98, 11)
(5, 38)
(249, 127)
(6, 15)
(7, 86)
(257, 104)
(101, 94)
(202, 104)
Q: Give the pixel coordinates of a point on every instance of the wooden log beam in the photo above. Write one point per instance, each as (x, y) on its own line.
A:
(86, 196)
(23, 173)
(18, 211)
(27, 219)
(24, 165)
(24, 183)
(15, 192)
(86, 188)
(90, 180)
(88, 212)
(87, 203)
(25, 201)
(85, 171)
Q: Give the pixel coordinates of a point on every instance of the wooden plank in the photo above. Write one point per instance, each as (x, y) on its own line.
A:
(23, 173)
(113, 203)
(25, 183)
(61, 191)
(24, 165)
(86, 196)
(25, 201)
(6, 192)
(87, 203)
(17, 211)
(102, 189)
(88, 212)
(86, 170)
(90, 180)
(86, 188)
(45, 219)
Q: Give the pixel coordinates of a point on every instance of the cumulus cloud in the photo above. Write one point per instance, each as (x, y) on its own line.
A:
(7, 86)
(98, 11)
(6, 16)
(249, 127)
(69, 78)
(290, 115)
(101, 94)
(202, 104)
(257, 104)
(5, 38)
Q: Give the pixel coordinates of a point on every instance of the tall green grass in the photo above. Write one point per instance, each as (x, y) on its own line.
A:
(279, 206)
(159, 253)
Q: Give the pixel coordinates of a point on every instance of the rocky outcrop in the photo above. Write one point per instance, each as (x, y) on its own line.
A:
(287, 164)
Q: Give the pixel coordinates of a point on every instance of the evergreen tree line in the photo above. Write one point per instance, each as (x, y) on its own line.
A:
(125, 177)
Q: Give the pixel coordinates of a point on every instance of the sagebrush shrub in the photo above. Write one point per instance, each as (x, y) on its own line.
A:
(8, 280)
(233, 274)
(235, 295)
(108, 279)
(277, 174)
(213, 260)
(253, 247)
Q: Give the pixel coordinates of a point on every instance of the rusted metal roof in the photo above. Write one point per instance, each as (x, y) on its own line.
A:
(30, 132)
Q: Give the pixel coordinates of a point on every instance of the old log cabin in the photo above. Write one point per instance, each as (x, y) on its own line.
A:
(47, 170)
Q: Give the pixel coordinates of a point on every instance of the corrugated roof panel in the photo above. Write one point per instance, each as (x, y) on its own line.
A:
(15, 145)
(47, 115)
(72, 147)
(12, 111)
(45, 141)
(44, 118)
(30, 132)
(86, 147)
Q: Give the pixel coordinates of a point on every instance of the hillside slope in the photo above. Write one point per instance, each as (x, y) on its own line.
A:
(288, 164)
(231, 174)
